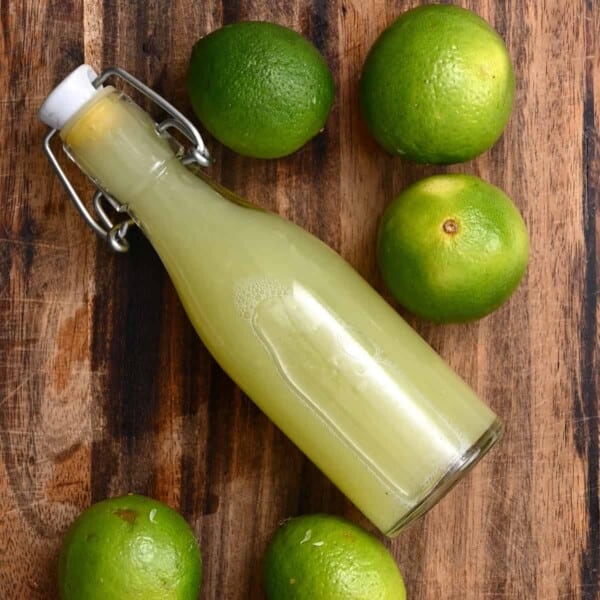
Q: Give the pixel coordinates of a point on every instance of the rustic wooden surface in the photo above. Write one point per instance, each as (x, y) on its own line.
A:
(105, 389)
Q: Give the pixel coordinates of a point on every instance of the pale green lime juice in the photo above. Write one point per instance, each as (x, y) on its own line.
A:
(315, 347)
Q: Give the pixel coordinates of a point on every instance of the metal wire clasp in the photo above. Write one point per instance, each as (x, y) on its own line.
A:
(115, 233)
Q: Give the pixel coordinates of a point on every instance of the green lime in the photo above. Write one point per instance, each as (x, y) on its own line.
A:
(260, 88)
(438, 85)
(452, 248)
(130, 548)
(328, 558)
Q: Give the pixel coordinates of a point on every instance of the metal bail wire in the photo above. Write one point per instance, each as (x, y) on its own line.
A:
(111, 232)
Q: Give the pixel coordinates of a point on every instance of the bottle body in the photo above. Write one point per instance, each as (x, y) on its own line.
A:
(315, 347)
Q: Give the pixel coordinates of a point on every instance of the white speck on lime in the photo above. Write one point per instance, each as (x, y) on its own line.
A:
(306, 536)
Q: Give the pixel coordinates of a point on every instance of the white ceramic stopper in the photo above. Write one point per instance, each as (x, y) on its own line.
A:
(68, 97)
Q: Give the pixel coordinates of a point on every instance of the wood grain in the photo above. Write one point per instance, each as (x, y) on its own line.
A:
(105, 388)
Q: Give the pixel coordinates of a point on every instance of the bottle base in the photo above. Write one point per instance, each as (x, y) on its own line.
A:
(469, 459)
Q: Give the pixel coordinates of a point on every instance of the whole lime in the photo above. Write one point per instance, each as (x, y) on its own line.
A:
(452, 248)
(261, 89)
(130, 548)
(438, 85)
(329, 558)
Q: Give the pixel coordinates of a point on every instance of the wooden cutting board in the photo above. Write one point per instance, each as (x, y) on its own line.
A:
(105, 388)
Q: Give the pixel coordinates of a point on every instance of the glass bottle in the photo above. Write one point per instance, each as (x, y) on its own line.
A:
(292, 323)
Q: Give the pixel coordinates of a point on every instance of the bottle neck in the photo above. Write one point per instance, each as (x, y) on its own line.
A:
(116, 144)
